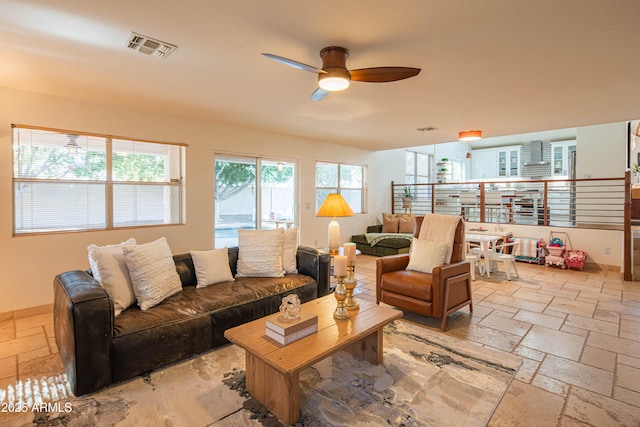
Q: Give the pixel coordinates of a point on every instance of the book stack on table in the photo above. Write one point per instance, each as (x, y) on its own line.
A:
(287, 331)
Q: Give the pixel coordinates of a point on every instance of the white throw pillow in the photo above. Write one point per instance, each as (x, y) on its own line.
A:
(211, 267)
(108, 267)
(92, 259)
(426, 254)
(290, 251)
(260, 253)
(153, 272)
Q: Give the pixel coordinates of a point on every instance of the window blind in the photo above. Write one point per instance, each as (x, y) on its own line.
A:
(70, 181)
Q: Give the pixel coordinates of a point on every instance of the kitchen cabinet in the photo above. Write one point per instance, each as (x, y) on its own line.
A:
(500, 162)
(509, 161)
(560, 157)
(484, 163)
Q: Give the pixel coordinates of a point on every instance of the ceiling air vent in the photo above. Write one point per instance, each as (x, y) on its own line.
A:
(149, 46)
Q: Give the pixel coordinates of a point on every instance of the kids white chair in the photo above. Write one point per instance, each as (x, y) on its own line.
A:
(508, 259)
(475, 259)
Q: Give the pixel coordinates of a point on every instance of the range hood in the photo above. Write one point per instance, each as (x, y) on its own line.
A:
(535, 148)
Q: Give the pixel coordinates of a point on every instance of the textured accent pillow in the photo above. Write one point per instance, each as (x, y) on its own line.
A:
(390, 226)
(406, 225)
(290, 250)
(426, 254)
(211, 267)
(260, 253)
(108, 267)
(153, 272)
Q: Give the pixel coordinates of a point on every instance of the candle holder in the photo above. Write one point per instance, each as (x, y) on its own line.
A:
(350, 285)
(341, 295)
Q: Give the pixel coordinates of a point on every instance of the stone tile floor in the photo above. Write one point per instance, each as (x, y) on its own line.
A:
(578, 334)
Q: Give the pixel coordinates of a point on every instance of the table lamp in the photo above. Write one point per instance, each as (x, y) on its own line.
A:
(334, 206)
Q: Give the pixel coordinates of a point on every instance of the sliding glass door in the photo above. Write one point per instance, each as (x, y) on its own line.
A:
(252, 193)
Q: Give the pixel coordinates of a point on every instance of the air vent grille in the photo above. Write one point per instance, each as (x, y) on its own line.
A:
(149, 46)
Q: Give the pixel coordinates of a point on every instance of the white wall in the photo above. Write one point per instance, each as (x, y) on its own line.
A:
(29, 263)
(601, 151)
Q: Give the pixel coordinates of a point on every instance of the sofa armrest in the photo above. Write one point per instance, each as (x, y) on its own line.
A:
(83, 325)
(311, 262)
(374, 228)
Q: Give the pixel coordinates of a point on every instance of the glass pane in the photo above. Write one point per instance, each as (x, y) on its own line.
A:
(278, 194)
(557, 160)
(321, 194)
(45, 206)
(423, 164)
(354, 198)
(350, 176)
(410, 162)
(145, 162)
(235, 199)
(326, 175)
(502, 163)
(145, 204)
(514, 163)
(53, 155)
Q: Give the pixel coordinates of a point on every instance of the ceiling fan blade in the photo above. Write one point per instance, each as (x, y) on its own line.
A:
(294, 64)
(383, 74)
(319, 94)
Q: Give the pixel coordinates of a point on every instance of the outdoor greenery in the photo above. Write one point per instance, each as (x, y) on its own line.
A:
(233, 177)
(57, 163)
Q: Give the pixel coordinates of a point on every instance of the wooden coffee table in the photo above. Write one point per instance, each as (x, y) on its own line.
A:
(273, 369)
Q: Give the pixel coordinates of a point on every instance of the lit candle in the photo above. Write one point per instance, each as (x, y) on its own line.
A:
(340, 265)
(350, 252)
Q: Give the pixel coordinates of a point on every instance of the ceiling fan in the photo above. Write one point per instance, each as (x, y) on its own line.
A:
(334, 75)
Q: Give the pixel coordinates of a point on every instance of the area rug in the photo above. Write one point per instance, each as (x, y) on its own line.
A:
(427, 379)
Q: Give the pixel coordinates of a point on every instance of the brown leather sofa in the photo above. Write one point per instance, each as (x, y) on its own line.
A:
(98, 349)
(443, 292)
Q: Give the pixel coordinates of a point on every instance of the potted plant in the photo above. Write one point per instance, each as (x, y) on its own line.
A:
(635, 170)
(407, 197)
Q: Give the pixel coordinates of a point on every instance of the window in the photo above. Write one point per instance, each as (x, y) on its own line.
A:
(252, 193)
(348, 180)
(71, 181)
(417, 167)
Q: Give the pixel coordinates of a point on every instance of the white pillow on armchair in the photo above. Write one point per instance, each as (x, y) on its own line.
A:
(426, 254)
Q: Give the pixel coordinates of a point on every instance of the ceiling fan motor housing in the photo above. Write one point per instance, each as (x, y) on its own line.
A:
(334, 63)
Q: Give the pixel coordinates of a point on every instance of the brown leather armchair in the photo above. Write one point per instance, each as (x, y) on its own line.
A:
(444, 291)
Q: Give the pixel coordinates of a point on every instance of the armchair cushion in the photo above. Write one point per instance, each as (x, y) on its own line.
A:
(426, 254)
(409, 283)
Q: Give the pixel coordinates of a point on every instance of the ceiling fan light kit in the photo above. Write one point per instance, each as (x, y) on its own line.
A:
(335, 75)
(334, 80)
(469, 135)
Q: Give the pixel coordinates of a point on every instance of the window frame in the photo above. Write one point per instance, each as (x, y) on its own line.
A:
(339, 187)
(172, 182)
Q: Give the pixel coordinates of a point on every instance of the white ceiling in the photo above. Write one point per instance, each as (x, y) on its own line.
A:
(503, 66)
